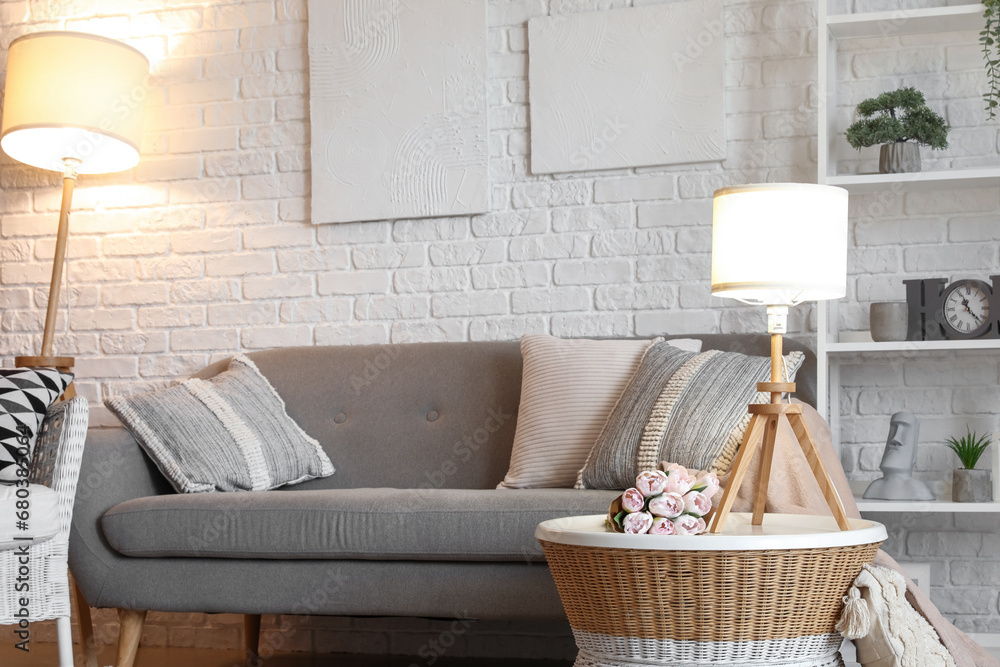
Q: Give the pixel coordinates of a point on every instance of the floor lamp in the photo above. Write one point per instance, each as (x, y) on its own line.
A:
(777, 245)
(73, 103)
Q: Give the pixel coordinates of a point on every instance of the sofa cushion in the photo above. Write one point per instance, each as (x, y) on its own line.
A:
(229, 433)
(686, 409)
(568, 389)
(370, 524)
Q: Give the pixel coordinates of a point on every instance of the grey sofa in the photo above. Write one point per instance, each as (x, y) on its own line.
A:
(411, 524)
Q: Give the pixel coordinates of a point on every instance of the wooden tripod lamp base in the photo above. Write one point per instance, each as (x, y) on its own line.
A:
(763, 429)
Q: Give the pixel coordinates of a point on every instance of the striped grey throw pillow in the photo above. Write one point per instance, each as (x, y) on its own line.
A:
(683, 408)
(228, 433)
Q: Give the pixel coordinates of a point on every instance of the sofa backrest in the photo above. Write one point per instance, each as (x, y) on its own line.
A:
(434, 415)
(438, 415)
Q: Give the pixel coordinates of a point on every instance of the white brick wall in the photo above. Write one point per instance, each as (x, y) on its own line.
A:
(206, 248)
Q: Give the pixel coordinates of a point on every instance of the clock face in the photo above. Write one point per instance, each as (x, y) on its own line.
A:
(966, 308)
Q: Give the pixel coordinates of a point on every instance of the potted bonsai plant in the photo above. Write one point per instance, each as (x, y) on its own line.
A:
(968, 484)
(900, 121)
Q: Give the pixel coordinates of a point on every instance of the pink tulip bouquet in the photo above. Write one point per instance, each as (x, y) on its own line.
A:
(674, 502)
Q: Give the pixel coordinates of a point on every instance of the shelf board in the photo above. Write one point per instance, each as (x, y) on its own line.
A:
(906, 21)
(924, 506)
(950, 178)
(913, 346)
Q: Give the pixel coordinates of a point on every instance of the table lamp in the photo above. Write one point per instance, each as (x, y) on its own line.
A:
(777, 245)
(70, 106)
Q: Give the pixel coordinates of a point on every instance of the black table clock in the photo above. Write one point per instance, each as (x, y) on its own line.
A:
(963, 310)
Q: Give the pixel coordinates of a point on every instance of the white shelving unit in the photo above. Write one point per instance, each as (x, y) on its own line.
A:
(828, 365)
(950, 179)
(906, 21)
(829, 351)
(913, 346)
(836, 27)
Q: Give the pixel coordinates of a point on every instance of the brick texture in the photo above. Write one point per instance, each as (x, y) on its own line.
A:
(206, 248)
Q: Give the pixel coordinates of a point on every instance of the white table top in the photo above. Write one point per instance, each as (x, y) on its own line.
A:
(779, 531)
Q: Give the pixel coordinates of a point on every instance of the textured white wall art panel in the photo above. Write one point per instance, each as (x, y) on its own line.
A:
(398, 108)
(627, 88)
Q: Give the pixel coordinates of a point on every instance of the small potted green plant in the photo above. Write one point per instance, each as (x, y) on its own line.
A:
(968, 484)
(900, 121)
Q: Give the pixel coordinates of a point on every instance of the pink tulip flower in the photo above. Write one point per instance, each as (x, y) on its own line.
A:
(669, 505)
(662, 526)
(633, 500)
(687, 525)
(679, 480)
(707, 484)
(651, 482)
(638, 523)
(697, 504)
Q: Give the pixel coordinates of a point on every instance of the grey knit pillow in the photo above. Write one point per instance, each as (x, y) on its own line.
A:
(228, 433)
(679, 407)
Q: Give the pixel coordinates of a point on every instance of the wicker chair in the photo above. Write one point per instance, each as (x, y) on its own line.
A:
(56, 464)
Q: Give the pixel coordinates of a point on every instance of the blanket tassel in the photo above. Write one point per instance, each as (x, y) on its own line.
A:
(856, 621)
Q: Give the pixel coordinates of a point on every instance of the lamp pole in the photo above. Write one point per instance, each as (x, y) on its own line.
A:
(69, 182)
(45, 359)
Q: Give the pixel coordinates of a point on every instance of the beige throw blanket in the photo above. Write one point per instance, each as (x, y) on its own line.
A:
(886, 629)
(792, 490)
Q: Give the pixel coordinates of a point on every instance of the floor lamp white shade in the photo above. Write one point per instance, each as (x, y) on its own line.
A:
(779, 243)
(74, 96)
(73, 102)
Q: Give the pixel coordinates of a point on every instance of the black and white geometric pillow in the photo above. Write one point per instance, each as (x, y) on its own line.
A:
(25, 395)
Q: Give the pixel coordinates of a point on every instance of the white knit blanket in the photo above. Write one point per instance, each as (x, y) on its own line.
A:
(887, 631)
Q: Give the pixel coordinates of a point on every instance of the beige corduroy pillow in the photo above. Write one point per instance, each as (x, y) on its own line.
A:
(568, 389)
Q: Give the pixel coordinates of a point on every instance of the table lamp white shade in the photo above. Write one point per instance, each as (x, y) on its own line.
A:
(779, 243)
(75, 96)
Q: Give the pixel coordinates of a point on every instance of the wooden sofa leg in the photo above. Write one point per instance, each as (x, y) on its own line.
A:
(86, 628)
(251, 636)
(129, 635)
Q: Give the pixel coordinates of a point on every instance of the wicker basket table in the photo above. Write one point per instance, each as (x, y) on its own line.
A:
(751, 595)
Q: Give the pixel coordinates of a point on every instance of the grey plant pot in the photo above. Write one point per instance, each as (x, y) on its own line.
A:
(888, 321)
(899, 157)
(972, 486)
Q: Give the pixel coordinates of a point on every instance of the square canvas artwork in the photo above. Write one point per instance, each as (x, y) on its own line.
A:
(627, 87)
(398, 109)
